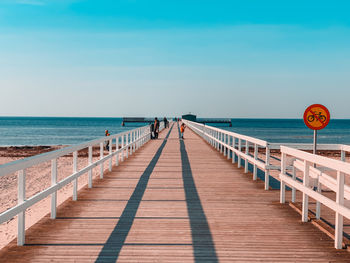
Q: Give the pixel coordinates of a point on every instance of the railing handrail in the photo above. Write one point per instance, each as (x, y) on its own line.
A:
(318, 159)
(236, 135)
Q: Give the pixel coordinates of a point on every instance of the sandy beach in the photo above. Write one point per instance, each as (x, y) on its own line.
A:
(37, 179)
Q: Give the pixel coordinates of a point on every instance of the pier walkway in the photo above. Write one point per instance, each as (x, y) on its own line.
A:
(175, 201)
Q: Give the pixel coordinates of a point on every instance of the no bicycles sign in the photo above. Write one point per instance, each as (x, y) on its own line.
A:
(316, 117)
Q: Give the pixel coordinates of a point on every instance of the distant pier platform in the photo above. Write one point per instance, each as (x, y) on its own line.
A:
(214, 121)
(191, 117)
(137, 120)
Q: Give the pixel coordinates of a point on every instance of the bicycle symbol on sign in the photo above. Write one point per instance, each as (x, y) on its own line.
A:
(320, 117)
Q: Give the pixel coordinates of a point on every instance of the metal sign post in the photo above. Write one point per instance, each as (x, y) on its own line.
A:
(315, 142)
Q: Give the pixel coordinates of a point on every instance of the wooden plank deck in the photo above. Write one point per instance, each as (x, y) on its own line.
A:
(175, 201)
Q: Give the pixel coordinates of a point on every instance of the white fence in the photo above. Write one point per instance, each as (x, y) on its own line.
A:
(229, 142)
(313, 178)
(125, 144)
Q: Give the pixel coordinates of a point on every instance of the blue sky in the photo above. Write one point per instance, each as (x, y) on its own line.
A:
(143, 58)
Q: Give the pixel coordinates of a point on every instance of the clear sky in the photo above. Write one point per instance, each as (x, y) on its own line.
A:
(232, 58)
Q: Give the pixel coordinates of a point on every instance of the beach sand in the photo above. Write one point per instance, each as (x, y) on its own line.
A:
(38, 178)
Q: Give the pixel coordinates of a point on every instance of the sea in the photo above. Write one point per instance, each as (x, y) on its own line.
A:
(33, 131)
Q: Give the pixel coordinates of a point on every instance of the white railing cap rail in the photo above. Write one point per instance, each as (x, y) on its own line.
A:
(15, 166)
(317, 159)
(306, 146)
(236, 135)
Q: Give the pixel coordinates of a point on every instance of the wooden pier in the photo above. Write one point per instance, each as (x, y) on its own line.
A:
(175, 201)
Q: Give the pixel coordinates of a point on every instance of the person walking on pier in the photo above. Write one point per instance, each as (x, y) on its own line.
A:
(166, 123)
(182, 130)
(107, 143)
(156, 128)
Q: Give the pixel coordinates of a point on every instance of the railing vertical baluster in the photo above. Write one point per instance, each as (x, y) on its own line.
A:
(221, 142)
(127, 145)
(283, 185)
(21, 216)
(246, 159)
(117, 149)
(342, 156)
(228, 150)
(224, 143)
(75, 182)
(305, 196)
(101, 157)
(294, 177)
(217, 140)
(234, 147)
(90, 171)
(267, 169)
(240, 150)
(255, 171)
(131, 142)
(135, 140)
(53, 182)
(339, 222)
(318, 204)
(122, 149)
(110, 153)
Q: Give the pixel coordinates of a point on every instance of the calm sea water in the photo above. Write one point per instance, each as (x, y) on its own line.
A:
(56, 131)
(65, 131)
(291, 130)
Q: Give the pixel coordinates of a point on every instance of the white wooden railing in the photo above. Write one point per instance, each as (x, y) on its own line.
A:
(125, 144)
(313, 180)
(298, 160)
(231, 145)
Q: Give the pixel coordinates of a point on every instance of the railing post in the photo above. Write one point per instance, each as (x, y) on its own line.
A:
(305, 196)
(255, 171)
(53, 182)
(342, 155)
(228, 150)
(131, 142)
(338, 217)
(234, 146)
(110, 153)
(224, 143)
(101, 157)
(221, 142)
(122, 149)
(239, 149)
(135, 140)
(75, 182)
(318, 204)
(21, 199)
(217, 141)
(267, 170)
(246, 159)
(283, 185)
(90, 171)
(294, 177)
(117, 149)
(127, 145)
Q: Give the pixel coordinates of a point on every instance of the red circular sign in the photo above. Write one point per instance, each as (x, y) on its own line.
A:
(316, 117)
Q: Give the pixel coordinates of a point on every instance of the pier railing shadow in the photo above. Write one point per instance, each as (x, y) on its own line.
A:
(203, 244)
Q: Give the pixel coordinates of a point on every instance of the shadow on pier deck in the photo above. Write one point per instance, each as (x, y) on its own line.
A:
(175, 201)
